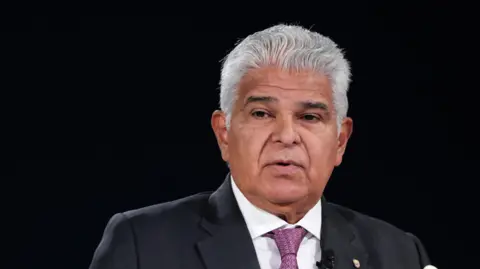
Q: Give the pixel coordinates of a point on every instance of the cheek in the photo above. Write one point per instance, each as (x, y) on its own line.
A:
(250, 142)
(322, 153)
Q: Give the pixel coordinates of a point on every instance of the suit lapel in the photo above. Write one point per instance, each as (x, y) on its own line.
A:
(229, 245)
(339, 237)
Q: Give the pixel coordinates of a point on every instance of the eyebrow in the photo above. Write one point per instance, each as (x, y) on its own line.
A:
(260, 99)
(271, 99)
(312, 104)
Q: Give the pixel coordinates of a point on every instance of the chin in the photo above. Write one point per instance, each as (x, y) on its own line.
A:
(285, 200)
(279, 194)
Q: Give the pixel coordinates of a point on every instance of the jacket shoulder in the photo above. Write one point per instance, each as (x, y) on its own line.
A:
(387, 241)
(190, 206)
(149, 228)
(364, 221)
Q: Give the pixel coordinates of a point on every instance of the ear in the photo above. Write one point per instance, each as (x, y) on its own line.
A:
(346, 130)
(219, 126)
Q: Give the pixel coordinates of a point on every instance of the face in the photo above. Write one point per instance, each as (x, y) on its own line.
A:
(282, 144)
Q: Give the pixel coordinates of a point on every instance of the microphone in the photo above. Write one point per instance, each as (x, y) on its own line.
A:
(327, 261)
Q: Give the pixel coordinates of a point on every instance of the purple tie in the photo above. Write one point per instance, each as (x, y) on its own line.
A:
(288, 242)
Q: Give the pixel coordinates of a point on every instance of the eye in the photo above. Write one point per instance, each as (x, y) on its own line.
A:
(311, 117)
(260, 114)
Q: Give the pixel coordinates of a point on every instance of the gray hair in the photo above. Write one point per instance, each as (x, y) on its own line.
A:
(289, 47)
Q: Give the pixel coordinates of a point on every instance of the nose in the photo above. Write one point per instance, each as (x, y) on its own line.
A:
(285, 131)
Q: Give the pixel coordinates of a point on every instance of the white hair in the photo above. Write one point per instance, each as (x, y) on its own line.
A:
(288, 47)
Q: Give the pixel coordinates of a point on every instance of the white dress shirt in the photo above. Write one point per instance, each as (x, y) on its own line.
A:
(260, 222)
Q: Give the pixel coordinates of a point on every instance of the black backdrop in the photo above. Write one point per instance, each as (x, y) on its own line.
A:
(109, 114)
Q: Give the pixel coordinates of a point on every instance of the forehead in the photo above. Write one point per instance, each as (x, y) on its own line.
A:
(289, 84)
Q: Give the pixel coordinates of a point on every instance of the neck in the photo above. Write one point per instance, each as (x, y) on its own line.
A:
(291, 217)
(291, 212)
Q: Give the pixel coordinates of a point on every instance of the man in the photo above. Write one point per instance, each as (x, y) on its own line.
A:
(282, 129)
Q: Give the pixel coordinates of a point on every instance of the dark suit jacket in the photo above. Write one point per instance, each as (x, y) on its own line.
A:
(208, 231)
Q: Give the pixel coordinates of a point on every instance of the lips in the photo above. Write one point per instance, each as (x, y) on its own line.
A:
(285, 162)
(284, 168)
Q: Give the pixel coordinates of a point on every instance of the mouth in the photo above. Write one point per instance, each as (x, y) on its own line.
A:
(284, 168)
(285, 163)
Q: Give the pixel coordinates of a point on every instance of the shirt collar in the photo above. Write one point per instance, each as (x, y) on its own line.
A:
(260, 222)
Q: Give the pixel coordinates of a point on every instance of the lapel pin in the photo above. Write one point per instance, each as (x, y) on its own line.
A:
(356, 263)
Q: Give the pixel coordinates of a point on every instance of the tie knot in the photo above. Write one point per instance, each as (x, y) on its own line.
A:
(288, 240)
